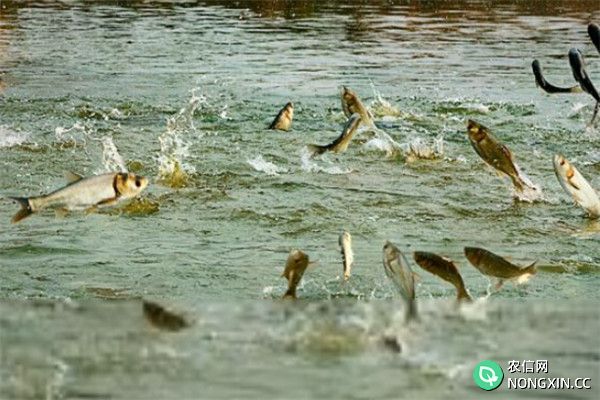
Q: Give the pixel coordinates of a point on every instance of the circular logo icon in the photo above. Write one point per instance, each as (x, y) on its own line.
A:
(488, 375)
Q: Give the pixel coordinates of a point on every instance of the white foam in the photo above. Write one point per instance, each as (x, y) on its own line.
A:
(261, 165)
(9, 138)
(111, 158)
(310, 165)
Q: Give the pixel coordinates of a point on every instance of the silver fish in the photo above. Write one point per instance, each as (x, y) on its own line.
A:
(295, 267)
(345, 242)
(342, 142)
(575, 184)
(351, 104)
(84, 193)
(398, 270)
(283, 120)
(493, 265)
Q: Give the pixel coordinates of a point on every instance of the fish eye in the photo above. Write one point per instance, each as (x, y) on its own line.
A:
(138, 183)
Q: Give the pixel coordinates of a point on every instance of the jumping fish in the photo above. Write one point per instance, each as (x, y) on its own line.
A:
(351, 104)
(495, 266)
(283, 120)
(582, 77)
(575, 184)
(445, 269)
(545, 85)
(494, 153)
(340, 144)
(594, 32)
(84, 193)
(295, 267)
(161, 318)
(345, 242)
(398, 270)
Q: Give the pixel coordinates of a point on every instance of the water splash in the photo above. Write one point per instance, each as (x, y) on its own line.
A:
(74, 136)
(310, 165)
(261, 165)
(111, 159)
(419, 148)
(9, 138)
(380, 107)
(174, 148)
(530, 193)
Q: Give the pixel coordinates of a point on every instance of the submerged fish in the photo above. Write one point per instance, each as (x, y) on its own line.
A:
(594, 32)
(582, 77)
(351, 104)
(575, 184)
(84, 193)
(398, 270)
(345, 242)
(445, 269)
(295, 267)
(494, 153)
(545, 85)
(340, 144)
(495, 266)
(161, 318)
(283, 120)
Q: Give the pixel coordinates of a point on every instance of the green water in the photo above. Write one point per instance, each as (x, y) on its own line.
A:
(197, 83)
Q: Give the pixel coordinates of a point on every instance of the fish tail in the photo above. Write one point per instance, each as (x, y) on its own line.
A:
(25, 210)
(290, 294)
(411, 310)
(315, 149)
(463, 295)
(518, 183)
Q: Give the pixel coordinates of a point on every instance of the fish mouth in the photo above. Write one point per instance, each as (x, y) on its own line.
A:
(475, 131)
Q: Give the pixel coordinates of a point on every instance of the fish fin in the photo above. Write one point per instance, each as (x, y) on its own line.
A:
(25, 210)
(106, 202)
(72, 177)
(463, 295)
(532, 268)
(417, 277)
(315, 149)
(312, 264)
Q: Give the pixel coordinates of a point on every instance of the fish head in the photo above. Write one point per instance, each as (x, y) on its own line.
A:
(474, 255)
(390, 252)
(345, 237)
(564, 171)
(289, 109)
(476, 131)
(130, 185)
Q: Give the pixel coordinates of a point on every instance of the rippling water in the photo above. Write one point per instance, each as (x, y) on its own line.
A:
(183, 92)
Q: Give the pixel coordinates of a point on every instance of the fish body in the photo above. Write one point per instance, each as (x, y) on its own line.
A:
(340, 144)
(495, 266)
(283, 120)
(84, 193)
(161, 318)
(577, 186)
(594, 32)
(494, 153)
(351, 104)
(547, 86)
(295, 267)
(345, 242)
(398, 270)
(444, 269)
